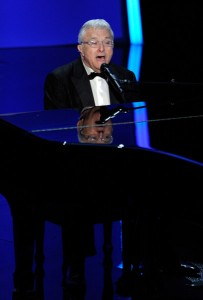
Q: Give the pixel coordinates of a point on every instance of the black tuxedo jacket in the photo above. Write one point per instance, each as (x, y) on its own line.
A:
(68, 86)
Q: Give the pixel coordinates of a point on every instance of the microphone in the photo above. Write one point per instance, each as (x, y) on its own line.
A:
(111, 78)
(109, 114)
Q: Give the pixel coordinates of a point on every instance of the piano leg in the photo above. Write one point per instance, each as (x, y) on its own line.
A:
(24, 231)
(28, 231)
(39, 258)
(77, 244)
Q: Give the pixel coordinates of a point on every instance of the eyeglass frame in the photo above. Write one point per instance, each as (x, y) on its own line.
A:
(96, 44)
(95, 139)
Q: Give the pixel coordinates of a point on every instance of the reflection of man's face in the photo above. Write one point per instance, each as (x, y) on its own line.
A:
(90, 131)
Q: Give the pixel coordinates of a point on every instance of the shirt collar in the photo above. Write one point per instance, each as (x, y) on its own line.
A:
(88, 69)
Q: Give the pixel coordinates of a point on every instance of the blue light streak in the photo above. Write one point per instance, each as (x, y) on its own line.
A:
(134, 64)
(134, 21)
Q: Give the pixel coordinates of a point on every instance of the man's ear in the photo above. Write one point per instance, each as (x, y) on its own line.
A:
(80, 122)
(80, 49)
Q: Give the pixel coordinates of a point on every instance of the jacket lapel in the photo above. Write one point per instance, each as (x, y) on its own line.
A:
(82, 84)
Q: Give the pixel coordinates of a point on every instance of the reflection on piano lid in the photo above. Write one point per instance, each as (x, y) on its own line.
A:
(90, 127)
(172, 126)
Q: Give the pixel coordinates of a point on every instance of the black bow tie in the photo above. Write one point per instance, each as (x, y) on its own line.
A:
(94, 74)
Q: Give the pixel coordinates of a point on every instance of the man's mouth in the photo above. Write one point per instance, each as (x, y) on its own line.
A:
(101, 57)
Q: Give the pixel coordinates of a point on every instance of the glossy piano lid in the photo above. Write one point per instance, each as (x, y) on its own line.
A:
(170, 126)
(61, 125)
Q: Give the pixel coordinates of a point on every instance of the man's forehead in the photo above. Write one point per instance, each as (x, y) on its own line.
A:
(95, 32)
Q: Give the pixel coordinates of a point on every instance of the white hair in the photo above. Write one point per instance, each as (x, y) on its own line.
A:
(95, 23)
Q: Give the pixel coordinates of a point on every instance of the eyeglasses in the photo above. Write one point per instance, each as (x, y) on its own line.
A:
(95, 44)
(96, 139)
(100, 138)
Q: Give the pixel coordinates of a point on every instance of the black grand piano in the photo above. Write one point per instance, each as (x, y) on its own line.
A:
(153, 157)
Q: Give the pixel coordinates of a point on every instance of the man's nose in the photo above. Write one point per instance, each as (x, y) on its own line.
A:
(101, 133)
(101, 45)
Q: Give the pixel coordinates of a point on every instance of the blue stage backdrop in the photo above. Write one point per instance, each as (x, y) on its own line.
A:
(38, 36)
(26, 23)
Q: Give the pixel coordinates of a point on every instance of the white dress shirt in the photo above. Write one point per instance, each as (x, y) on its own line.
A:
(100, 89)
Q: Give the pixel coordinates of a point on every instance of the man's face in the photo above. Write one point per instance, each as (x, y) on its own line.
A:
(95, 57)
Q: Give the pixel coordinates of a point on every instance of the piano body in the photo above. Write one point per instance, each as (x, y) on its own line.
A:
(155, 162)
(154, 145)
